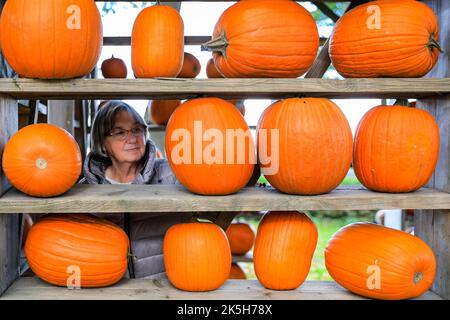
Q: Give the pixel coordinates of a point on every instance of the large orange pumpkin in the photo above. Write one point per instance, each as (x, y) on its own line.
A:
(191, 66)
(209, 147)
(42, 160)
(62, 246)
(197, 256)
(264, 38)
(236, 272)
(161, 110)
(241, 238)
(314, 146)
(379, 262)
(396, 148)
(284, 247)
(386, 38)
(51, 39)
(157, 42)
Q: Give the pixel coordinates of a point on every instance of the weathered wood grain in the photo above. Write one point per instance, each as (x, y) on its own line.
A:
(170, 198)
(31, 288)
(245, 258)
(62, 114)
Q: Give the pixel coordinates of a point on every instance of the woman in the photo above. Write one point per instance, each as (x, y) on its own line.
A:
(122, 153)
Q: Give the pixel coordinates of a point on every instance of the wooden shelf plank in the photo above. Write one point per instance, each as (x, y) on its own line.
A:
(175, 198)
(31, 288)
(245, 258)
(163, 88)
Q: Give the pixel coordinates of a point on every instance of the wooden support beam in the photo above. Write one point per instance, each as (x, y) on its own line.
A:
(62, 113)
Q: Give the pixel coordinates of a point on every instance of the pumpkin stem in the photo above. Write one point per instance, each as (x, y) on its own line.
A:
(41, 163)
(433, 43)
(130, 255)
(401, 102)
(418, 276)
(219, 44)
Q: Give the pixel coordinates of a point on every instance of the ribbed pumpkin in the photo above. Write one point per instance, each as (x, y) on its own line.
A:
(396, 148)
(191, 66)
(114, 68)
(404, 44)
(157, 42)
(236, 272)
(201, 155)
(51, 39)
(264, 38)
(197, 256)
(161, 110)
(284, 247)
(42, 160)
(59, 244)
(314, 147)
(361, 254)
(241, 238)
(211, 70)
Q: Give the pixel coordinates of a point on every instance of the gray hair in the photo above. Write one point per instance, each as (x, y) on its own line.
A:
(104, 122)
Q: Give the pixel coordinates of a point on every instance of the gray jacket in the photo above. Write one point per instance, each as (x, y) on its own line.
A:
(146, 230)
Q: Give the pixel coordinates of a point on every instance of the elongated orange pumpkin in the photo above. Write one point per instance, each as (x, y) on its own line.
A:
(284, 247)
(161, 110)
(197, 256)
(157, 42)
(241, 238)
(42, 160)
(264, 38)
(396, 148)
(191, 66)
(379, 262)
(209, 147)
(386, 38)
(309, 145)
(77, 250)
(51, 39)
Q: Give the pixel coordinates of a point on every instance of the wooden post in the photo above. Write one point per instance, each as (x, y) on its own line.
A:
(62, 113)
(433, 226)
(9, 223)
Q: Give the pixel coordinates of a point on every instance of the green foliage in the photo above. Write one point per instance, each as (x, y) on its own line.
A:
(322, 19)
(110, 7)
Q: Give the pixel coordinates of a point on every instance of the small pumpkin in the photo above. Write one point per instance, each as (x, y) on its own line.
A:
(236, 272)
(197, 256)
(191, 67)
(209, 166)
(396, 148)
(42, 153)
(161, 110)
(211, 70)
(114, 68)
(386, 38)
(379, 262)
(264, 38)
(241, 238)
(61, 247)
(157, 42)
(314, 145)
(51, 39)
(284, 248)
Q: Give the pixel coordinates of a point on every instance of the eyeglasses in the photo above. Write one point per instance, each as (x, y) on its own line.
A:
(122, 134)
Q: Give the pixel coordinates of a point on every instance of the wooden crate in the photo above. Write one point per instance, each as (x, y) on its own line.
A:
(432, 202)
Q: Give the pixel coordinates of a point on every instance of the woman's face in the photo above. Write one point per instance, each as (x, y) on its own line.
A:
(126, 144)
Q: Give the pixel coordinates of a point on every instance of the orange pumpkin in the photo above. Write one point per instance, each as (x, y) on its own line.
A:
(191, 66)
(157, 42)
(396, 148)
(42, 160)
(314, 145)
(51, 39)
(237, 273)
(209, 147)
(386, 38)
(241, 238)
(211, 70)
(114, 68)
(161, 110)
(61, 247)
(197, 256)
(264, 38)
(379, 262)
(284, 248)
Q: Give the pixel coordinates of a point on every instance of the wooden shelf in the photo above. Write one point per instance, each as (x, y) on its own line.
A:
(175, 198)
(163, 88)
(248, 258)
(33, 288)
